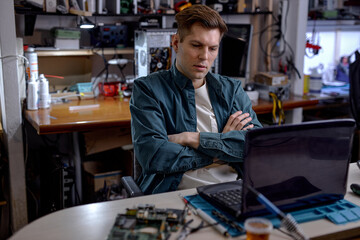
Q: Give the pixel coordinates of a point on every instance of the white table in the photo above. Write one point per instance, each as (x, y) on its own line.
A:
(94, 221)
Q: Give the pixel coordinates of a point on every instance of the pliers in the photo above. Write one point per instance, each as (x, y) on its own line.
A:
(277, 107)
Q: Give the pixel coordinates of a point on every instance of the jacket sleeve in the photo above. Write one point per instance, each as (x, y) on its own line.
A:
(152, 148)
(229, 146)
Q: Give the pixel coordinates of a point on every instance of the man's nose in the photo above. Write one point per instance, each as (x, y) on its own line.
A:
(204, 53)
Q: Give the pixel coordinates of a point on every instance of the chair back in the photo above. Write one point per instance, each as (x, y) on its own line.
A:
(354, 78)
(136, 168)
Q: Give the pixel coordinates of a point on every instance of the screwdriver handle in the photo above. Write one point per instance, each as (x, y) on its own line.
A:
(355, 188)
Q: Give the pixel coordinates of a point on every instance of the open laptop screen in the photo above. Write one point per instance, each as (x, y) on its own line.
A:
(299, 165)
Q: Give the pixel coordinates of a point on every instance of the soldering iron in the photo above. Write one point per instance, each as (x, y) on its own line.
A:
(287, 221)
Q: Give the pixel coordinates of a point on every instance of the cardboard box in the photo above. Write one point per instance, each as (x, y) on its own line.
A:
(106, 139)
(99, 173)
(271, 78)
(241, 6)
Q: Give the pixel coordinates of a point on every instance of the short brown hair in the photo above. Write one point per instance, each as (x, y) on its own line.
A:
(202, 14)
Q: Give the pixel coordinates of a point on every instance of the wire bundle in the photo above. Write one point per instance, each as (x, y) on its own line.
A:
(278, 40)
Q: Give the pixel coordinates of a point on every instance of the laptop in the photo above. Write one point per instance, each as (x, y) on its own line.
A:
(295, 166)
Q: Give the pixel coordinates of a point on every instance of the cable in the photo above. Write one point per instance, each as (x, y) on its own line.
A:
(17, 56)
(26, 62)
(105, 69)
(278, 39)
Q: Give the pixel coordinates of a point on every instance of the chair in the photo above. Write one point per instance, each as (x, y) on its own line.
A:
(129, 182)
(130, 186)
(354, 78)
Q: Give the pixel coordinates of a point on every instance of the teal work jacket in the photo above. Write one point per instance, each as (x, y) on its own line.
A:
(163, 103)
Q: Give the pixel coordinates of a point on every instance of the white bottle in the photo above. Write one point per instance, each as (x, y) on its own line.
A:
(315, 82)
(44, 96)
(32, 98)
(32, 68)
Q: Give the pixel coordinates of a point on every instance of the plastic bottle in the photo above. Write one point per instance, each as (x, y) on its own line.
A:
(44, 96)
(32, 68)
(315, 82)
(32, 98)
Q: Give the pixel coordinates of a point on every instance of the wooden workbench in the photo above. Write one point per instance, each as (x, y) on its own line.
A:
(103, 112)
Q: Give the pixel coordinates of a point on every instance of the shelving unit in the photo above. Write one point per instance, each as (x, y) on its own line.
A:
(30, 16)
(82, 52)
(331, 25)
(32, 12)
(255, 18)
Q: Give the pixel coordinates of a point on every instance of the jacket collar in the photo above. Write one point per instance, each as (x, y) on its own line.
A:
(181, 80)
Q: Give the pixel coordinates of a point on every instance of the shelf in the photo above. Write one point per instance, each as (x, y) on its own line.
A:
(82, 52)
(39, 12)
(332, 25)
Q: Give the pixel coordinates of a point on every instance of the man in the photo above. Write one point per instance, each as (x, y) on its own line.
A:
(186, 121)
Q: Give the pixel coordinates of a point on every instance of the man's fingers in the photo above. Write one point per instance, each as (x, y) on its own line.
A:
(240, 120)
(248, 127)
(237, 121)
(230, 121)
(242, 123)
(234, 116)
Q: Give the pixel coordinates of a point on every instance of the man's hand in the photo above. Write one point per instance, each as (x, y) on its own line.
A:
(237, 121)
(189, 139)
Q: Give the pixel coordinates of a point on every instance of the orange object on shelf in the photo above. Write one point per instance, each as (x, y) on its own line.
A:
(109, 89)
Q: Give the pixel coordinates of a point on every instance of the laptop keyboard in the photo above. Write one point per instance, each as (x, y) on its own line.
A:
(228, 197)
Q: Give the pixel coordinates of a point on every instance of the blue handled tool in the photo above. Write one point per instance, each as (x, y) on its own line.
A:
(287, 221)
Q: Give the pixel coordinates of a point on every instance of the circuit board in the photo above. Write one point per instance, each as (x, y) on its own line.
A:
(145, 222)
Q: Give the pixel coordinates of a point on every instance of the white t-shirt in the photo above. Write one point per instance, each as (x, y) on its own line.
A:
(206, 122)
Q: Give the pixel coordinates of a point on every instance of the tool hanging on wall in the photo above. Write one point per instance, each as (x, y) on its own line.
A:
(312, 47)
(277, 109)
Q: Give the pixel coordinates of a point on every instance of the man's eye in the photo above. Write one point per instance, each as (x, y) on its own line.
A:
(196, 45)
(213, 49)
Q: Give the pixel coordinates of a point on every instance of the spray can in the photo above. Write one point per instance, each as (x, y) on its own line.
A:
(32, 68)
(32, 98)
(44, 96)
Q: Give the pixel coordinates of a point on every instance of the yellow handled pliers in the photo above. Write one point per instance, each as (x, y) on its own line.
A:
(277, 109)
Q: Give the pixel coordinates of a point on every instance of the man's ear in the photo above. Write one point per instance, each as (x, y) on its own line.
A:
(175, 42)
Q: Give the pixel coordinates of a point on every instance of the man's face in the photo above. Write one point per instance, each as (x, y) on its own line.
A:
(197, 52)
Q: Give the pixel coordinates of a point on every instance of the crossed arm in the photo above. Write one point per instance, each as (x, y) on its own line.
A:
(236, 121)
